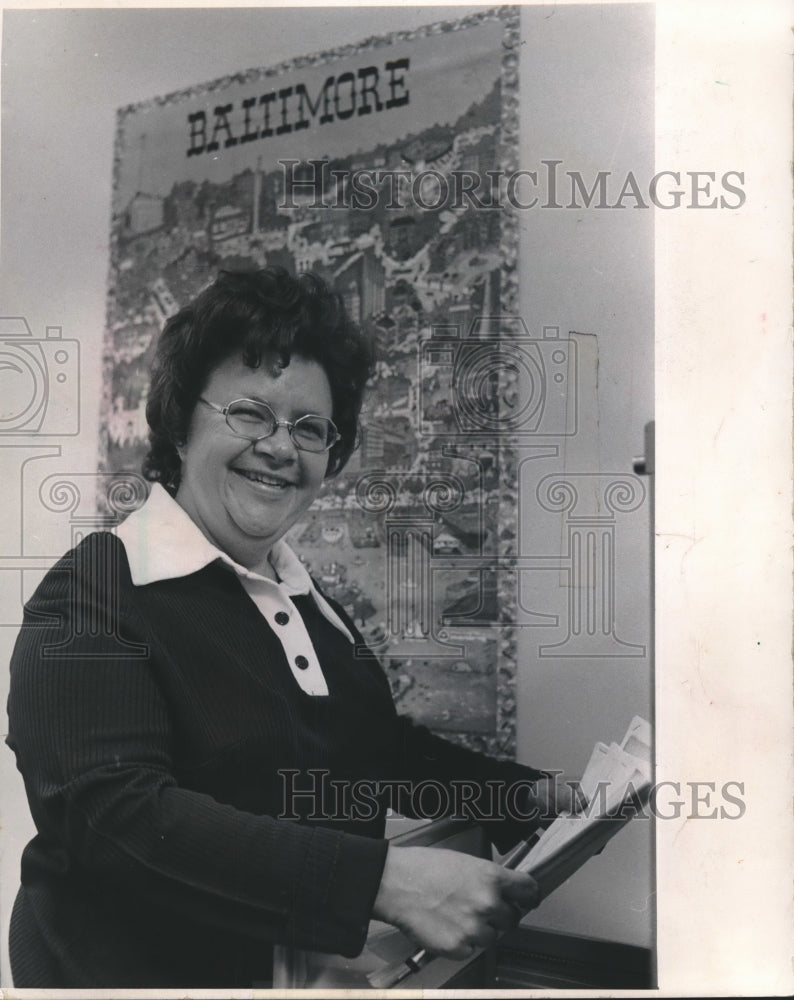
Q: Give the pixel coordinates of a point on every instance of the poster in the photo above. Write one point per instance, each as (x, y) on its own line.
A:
(381, 167)
(715, 406)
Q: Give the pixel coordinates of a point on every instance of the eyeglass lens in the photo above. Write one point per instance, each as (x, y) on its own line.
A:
(257, 420)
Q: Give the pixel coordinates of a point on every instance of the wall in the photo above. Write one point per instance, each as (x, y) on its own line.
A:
(587, 89)
(587, 93)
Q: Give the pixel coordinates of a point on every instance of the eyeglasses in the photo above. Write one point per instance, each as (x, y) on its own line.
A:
(255, 421)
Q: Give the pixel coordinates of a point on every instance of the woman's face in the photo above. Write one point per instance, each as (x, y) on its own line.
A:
(245, 495)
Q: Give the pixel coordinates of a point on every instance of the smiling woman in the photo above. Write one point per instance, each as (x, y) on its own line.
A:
(167, 849)
(287, 348)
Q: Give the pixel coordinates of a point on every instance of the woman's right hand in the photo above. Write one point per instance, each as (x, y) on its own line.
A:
(451, 903)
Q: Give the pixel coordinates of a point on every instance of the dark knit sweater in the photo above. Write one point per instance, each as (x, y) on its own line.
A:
(150, 724)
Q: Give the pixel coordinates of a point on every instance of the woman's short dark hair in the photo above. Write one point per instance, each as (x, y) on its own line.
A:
(265, 316)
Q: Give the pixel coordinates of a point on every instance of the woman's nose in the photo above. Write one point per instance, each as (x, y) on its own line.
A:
(279, 444)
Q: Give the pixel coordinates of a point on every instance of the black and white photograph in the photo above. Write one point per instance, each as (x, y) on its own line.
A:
(380, 606)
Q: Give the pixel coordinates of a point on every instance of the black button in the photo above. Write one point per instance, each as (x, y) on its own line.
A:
(301, 662)
(282, 618)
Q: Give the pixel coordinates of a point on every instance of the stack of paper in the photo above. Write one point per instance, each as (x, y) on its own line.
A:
(615, 784)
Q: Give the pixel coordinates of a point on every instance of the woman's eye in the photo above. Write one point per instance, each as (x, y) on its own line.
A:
(248, 413)
(311, 431)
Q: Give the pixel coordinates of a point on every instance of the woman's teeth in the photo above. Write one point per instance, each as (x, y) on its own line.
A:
(258, 477)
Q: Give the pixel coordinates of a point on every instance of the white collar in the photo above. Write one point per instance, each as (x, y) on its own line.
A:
(164, 543)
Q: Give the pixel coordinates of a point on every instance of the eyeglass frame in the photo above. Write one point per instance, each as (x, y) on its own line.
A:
(289, 424)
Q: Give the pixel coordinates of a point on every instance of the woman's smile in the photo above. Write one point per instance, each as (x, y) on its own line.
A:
(264, 479)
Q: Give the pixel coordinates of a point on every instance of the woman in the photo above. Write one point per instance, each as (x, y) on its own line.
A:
(176, 758)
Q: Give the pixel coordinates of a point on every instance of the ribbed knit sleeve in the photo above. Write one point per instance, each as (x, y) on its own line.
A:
(491, 791)
(94, 733)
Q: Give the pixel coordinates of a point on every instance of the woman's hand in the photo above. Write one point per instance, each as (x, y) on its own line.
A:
(448, 902)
